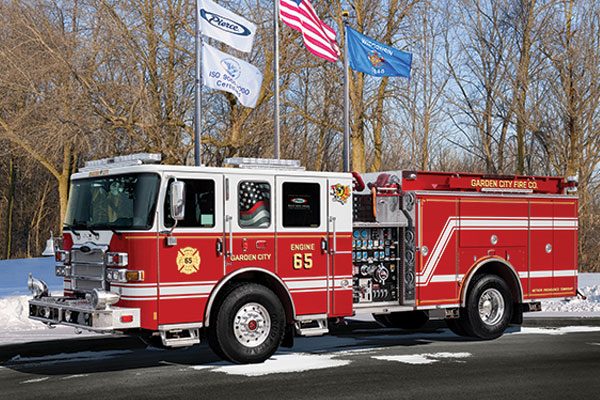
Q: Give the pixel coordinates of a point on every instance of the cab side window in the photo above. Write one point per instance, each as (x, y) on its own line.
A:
(301, 205)
(254, 199)
(199, 204)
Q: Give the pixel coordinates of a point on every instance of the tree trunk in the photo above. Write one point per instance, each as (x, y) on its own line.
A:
(12, 176)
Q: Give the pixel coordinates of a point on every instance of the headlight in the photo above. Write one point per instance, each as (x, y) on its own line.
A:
(62, 271)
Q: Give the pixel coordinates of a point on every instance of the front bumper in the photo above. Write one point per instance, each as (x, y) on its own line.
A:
(79, 313)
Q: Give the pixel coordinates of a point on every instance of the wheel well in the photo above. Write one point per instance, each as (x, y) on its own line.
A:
(260, 277)
(501, 269)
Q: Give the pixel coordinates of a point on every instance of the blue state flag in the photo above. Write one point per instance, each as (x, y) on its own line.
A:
(374, 58)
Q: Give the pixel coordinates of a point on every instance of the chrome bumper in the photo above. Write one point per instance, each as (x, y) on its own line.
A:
(80, 313)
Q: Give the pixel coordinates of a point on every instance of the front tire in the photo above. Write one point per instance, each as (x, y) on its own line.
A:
(249, 325)
(489, 308)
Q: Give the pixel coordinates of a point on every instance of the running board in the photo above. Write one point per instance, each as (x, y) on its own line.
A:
(176, 338)
(312, 327)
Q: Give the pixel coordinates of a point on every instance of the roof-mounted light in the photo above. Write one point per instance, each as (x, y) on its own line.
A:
(122, 161)
(264, 163)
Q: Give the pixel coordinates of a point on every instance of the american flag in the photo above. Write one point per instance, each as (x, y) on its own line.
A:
(255, 205)
(319, 38)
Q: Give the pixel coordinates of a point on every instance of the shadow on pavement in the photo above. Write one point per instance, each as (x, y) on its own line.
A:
(114, 353)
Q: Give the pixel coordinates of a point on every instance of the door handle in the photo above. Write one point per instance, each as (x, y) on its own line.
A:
(324, 245)
(332, 220)
(229, 222)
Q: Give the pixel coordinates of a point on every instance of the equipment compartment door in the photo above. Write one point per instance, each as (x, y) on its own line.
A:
(541, 251)
(302, 242)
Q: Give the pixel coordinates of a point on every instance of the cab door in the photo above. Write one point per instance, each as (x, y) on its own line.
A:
(249, 222)
(339, 207)
(191, 257)
(302, 242)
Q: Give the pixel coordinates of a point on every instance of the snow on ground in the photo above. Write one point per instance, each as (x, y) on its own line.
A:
(279, 364)
(589, 285)
(420, 359)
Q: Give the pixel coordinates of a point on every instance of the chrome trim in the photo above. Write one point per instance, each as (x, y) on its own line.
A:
(228, 278)
(467, 281)
(101, 321)
(172, 327)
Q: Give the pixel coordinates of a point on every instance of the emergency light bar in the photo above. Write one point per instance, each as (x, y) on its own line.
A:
(122, 161)
(264, 163)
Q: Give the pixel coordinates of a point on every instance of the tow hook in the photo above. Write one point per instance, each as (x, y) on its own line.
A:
(581, 295)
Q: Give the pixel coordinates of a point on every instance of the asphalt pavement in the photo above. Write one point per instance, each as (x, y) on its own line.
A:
(357, 361)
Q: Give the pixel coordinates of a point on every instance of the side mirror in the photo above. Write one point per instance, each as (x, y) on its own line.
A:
(178, 200)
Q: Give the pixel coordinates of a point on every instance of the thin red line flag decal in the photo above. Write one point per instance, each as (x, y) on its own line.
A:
(319, 38)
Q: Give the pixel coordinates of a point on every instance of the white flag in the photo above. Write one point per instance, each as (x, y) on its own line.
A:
(225, 26)
(224, 72)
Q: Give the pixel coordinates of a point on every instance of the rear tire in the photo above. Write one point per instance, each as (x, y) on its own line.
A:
(409, 320)
(489, 308)
(249, 325)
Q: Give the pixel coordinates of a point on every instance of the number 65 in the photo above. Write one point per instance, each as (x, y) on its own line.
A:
(303, 261)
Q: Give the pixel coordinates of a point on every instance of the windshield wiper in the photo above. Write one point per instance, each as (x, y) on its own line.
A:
(70, 228)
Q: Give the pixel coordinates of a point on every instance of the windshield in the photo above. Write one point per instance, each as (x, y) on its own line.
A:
(122, 202)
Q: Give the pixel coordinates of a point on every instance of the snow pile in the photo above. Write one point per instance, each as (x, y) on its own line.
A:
(589, 285)
(14, 315)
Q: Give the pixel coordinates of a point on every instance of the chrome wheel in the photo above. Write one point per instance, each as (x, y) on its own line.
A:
(491, 307)
(252, 325)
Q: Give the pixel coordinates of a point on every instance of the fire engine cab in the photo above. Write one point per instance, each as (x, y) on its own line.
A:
(251, 255)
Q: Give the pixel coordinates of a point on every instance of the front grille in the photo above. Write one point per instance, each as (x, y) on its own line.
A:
(88, 271)
(88, 267)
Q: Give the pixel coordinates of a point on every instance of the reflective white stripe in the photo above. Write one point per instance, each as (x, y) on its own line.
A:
(307, 284)
(185, 297)
(541, 274)
(446, 278)
(188, 283)
(185, 290)
(308, 290)
(566, 273)
(304, 279)
(139, 298)
(137, 292)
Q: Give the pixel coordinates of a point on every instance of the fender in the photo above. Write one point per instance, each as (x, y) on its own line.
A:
(477, 266)
(229, 277)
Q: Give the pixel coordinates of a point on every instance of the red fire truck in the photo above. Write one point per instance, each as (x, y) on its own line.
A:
(251, 255)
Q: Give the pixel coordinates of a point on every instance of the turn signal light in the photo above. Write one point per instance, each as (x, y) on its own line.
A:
(124, 275)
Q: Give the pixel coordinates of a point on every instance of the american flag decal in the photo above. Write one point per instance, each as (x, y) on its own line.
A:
(255, 205)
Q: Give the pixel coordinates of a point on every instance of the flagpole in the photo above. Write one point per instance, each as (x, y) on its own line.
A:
(277, 145)
(345, 16)
(198, 91)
